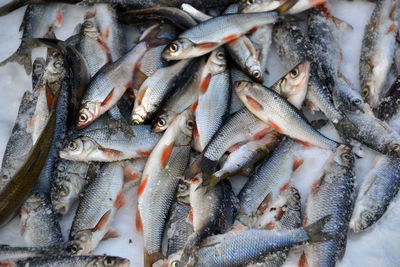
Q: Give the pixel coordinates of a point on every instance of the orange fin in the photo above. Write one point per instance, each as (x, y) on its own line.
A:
(279, 214)
(102, 222)
(59, 18)
(297, 163)
(261, 133)
(270, 226)
(110, 153)
(194, 106)
(303, 261)
(110, 234)
(253, 29)
(128, 85)
(139, 224)
(285, 186)
(165, 154)
(237, 228)
(190, 216)
(276, 127)
(264, 204)
(142, 186)
(205, 83)
(108, 98)
(107, 33)
(315, 186)
(6, 264)
(230, 37)
(143, 153)
(392, 28)
(119, 201)
(253, 103)
(49, 98)
(304, 143)
(141, 95)
(206, 46)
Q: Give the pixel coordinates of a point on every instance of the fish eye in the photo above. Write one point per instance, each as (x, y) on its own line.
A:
(251, 2)
(396, 147)
(136, 122)
(220, 55)
(256, 74)
(61, 168)
(108, 262)
(83, 117)
(294, 73)
(175, 264)
(347, 157)
(73, 248)
(88, 24)
(73, 145)
(356, 101)
(37, 195)
(190, 124)
(365, 92)
(161, 122)
(57, 64)
(64, 190)
(173, 47)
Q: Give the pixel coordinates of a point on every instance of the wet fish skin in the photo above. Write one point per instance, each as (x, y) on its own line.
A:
(377, 51)
(167, 162)
(97, 208)
(331, 194)
(39, 225)
(346, 98)
(262, 41)
(38, 68)
(270, 107)
(236, 75)
(376, 193)
(9, 253)
(388, 106)
(246, 6)
(78, 261)
(213, 102)
(112, 144)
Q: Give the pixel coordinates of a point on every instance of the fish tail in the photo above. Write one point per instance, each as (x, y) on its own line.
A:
(21, 56)
(202, 165)
(315, 231)
(282, 9)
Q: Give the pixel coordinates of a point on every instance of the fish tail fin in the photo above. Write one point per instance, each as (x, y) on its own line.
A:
(346, 128)
(21, 56)
(282, 9)
(315, 230)
(149, 259)
(202, 165)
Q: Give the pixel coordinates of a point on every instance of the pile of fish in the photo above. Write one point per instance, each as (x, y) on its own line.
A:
(173, 114)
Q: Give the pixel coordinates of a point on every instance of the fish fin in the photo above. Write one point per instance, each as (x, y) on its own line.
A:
(303, 260)
(108, 98)
(392, 28)
(49, 98)
(190, 215)
(194, 168)
(304, 143)
(149, 259)
(139, 224)
(275, 126)
(90, 14)
(111, 234)
(285, 186)
(22, 57)
(297, 163)
(130, 175)
(316, 185)
(205, 83)
(315, 233)
(166, 154)
(110, 153)
(205, 166)
(140, 95)
(194, 105)
(7, 264)
(142, 186)
(230, 37)
(102, 222)
(261, 133)
(206, 46)
(254, 103)
(237, 228)
(287, 5)
(341, 24)
(119, 201)
(264, 204)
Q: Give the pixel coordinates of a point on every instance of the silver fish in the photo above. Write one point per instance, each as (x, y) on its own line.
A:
(38, 68)
(246, 6)
(79, 261)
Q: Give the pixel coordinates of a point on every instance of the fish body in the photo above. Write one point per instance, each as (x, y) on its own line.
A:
(331, 194)
(39, 225)
(38, 67)
(377, 50)
(268, 5)
(376, 193)
(97, 208)
(388, 107)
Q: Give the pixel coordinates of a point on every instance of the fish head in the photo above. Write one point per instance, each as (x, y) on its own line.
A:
(87, 114)
(89, 29)
(217, 61)
(83, 240)
(248, 6)
(180, 49)
(253, 69)
(108, 261)
(62, 197)
(138, 115)
(371, 94)
(393, 148)
(183, 192)
(79, 148)
(54, 70)
(73, 247)
(33, 203)
(294, 85)
(343, 156)
(362, 218)
(250, 93)
(183, 124)
(173, 260)
(162, 121)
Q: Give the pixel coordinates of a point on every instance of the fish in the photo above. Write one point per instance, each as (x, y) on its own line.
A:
(246, 156)
(388, 105)
(236, 75)
(262, 41)
(111, 144)
(79, 261)
(272, 176)
(293, 47)
(39, 21)
(377, 190)
(184, 96)
(247, 6)
(346, 98)
(281, 115)
(97, 208)
(166, 163)
(70, 177)
(92, 47)
(16, 191)
(215, 32)
(240, 246)
(154, 89)
(38, 67)
(39, 225)
(283, 214)
(332, 194)
(11, 254)
(213, 102)
(377, 51)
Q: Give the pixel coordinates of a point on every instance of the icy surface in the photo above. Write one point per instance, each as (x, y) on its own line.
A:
(378, 246)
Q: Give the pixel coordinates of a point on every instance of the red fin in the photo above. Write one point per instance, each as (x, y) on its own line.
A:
(237, 228)
(392, 28)
(341, 56)
(6, 264)
(143, 153)
(230, 37)
(279, 214)
(110, 153)
(253, 103)
(154, 6)
(195, 131)
(131, 176)
(105, 47)
(190, 216)
(285, 186)
(304, 143)
(165, 154)
(107, 33)
(315, 186)
(108, 98)
(142, 186)
(206, 46)
(392, 13)
(264, 204)
(59, 18)
(139, 225)
(194, 106)
(49, 98)
(128, 85)
(305, 222)
(325, 11)
(253, 29)
(205, 83)
(317, 2)
(303, 261)
(261, 133)
(110, 234)
(270, 226)
(141, 95)
(102, 222)
(276, 127)
(192, 180)
(119, 201)
(297, 163)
